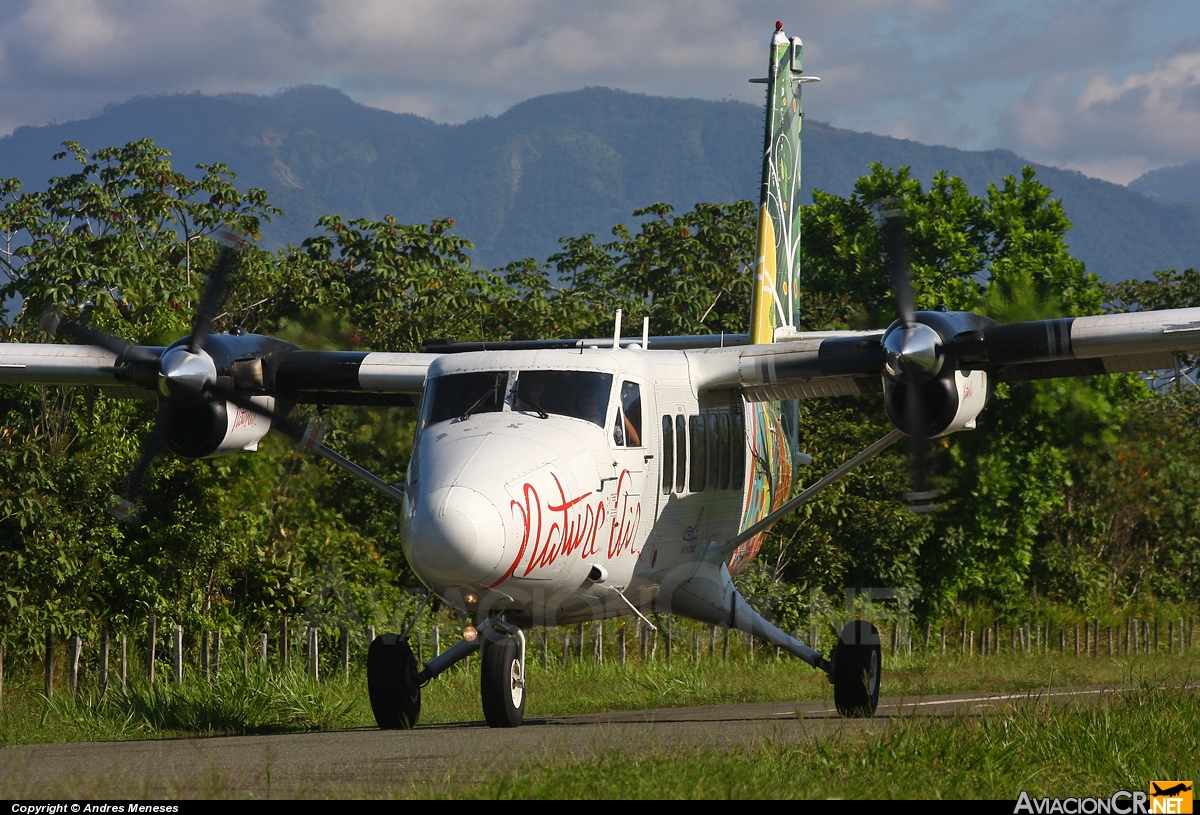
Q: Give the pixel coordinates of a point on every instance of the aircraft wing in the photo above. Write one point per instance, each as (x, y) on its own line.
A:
(324, 377)
(842, 363)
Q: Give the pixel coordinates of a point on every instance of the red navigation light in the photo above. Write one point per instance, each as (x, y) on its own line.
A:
(779, 25)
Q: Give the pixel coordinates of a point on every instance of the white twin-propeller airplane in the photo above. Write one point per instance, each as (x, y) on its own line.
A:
(559, 481)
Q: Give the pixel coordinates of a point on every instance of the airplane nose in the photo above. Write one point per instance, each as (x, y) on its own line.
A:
(457, 536)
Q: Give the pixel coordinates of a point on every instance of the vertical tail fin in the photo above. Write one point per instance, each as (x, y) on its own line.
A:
(772, 427)
(777, 253)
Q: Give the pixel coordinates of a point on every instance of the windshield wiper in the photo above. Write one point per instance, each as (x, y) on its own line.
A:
(490, 394)
(536, 407)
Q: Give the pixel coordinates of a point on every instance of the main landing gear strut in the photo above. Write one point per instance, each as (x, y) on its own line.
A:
(394, 679)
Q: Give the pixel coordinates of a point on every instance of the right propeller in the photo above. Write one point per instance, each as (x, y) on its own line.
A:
(911, 356)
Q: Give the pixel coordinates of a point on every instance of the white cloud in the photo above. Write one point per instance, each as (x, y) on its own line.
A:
(1144, 119)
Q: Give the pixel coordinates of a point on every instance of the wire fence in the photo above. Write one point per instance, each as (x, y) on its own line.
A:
(158, 652)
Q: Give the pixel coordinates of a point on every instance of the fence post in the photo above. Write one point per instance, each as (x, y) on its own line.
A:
(600, 642)
(696, 647)
(712, 641)
(262, 650)
(437, 641)
(205, 669)
(151, 639)
(545, 649)
(74, 646)
(344, 648)
(566, 647)
(178, 655)
(371, 638)
(582, 636)
(49, 664)
(283, 642)
(943, 635)
(314, 668)
(104, 647)
(621, 645)
(962, 638)
(751, 648)
(217, 655)
(124, 661)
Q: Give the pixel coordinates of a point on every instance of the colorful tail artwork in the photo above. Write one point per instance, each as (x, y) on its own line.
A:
(771, 426)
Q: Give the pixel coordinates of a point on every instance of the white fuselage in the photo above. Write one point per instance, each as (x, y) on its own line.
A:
(549, 514)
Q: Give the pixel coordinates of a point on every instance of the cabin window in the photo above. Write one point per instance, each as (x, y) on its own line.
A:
(579, 394)
(668, 453)
(680, 452)
(738, 442)
(710, 433)
(455, 395)
(699, 450)
(723, 457)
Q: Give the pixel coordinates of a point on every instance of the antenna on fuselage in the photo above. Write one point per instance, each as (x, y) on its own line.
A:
(645, 333)
(617, 330)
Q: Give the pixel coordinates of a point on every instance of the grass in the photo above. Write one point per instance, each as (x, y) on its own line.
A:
(270, 701)
(1122, 742)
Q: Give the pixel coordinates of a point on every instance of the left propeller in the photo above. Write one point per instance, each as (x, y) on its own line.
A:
(185, 374)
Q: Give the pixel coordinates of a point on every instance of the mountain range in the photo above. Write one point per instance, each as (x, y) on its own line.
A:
(567, 163)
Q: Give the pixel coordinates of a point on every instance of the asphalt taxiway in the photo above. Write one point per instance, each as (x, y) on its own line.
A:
(374, 762)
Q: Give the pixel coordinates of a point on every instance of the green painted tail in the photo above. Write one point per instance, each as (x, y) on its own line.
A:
(771, 427)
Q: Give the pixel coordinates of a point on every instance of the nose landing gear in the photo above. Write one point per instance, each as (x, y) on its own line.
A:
(394, 679)
(502, 678)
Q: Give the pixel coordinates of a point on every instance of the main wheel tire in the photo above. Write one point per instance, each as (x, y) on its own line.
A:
(502, 681)
(856, 661)
(392, 683)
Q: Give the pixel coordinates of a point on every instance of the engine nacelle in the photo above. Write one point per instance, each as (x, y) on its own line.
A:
(948, 403)
(212, 428)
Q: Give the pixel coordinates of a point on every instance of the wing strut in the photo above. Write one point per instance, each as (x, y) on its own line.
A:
(766, 523)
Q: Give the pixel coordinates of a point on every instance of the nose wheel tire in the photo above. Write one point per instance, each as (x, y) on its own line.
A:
(856, 661)
(392, 683)
(502, 682)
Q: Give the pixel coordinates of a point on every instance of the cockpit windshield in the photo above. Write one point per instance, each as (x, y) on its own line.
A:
(456, 395)
(582, 394)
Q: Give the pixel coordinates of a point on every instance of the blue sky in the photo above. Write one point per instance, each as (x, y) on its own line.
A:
(1109, 87)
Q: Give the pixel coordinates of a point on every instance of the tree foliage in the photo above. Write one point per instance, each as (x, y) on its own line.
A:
(1071, 489)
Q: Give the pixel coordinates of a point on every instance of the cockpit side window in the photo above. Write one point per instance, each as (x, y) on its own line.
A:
(631, 413)
(581, 394)
(455, 395)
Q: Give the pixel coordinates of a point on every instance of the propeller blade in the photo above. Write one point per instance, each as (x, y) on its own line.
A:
(210, 301)
(52, 323)
(922, 498)
(126, 508)
(895, 244)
